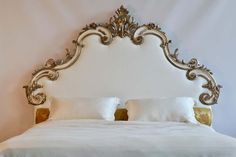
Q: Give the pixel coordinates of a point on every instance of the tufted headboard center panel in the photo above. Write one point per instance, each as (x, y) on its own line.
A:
(124, 70)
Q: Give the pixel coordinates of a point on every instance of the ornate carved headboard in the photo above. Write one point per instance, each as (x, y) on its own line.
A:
(121, 58)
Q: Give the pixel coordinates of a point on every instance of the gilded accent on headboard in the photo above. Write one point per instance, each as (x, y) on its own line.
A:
(41, 115)
(202, 115)
(122, 25)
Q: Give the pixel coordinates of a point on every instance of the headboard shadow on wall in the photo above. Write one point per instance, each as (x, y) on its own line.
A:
(121, 58)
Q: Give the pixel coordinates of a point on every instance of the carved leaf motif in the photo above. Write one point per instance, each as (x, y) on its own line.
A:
(122, 24)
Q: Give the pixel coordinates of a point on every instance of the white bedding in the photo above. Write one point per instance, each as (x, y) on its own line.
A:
(98, 138)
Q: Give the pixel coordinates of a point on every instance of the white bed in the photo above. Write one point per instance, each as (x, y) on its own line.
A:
(125, 60)
(87, 138)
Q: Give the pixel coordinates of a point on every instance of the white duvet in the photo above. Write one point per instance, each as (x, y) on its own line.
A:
(98, 138)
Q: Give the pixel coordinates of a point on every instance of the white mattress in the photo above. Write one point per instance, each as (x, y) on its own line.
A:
(94, 138)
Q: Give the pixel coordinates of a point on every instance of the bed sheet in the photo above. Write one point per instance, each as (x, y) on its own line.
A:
(90, 138)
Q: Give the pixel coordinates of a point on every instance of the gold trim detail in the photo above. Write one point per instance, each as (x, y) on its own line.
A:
(42, 114)
(122, 25)
(202, 115)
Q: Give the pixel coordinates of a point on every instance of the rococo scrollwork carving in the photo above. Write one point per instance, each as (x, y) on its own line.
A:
(122, 25)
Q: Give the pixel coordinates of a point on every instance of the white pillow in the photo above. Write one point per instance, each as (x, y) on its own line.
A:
(179, 109)
(83, 108)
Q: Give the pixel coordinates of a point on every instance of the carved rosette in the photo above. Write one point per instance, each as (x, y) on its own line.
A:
(122, 25)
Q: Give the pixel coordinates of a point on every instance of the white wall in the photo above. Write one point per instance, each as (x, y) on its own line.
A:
(33, 31)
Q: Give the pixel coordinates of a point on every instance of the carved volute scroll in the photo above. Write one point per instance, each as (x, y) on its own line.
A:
(122, 25)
